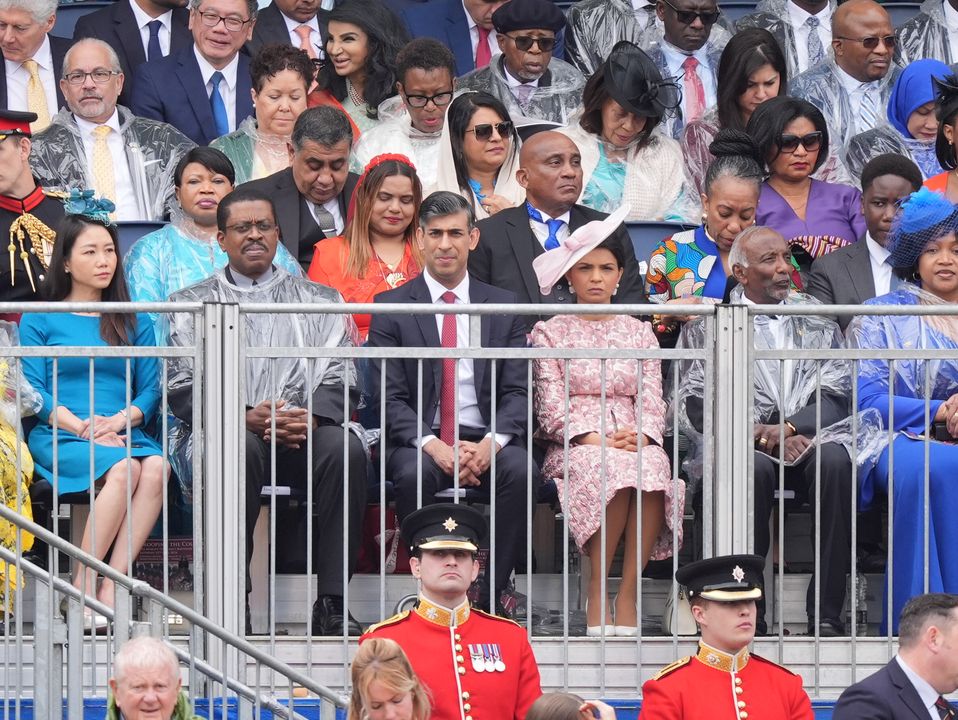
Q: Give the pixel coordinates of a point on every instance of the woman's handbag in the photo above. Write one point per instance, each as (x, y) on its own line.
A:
(678, 615)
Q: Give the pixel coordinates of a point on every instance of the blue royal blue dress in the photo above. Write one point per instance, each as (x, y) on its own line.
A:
(73, 392)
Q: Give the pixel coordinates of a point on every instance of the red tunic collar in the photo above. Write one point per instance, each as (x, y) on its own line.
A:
(23, 205)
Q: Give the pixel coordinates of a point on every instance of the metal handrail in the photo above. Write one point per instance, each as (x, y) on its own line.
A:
(145, 590)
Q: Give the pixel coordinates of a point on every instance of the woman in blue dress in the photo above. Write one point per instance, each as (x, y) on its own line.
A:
(85, 268)
(924, 253)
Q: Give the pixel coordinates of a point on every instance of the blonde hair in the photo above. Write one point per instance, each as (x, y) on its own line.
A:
(555, 706)
(384, 660)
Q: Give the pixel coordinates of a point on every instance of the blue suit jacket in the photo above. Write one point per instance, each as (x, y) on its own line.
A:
(886, 695)
(172, 90)
(58, 49)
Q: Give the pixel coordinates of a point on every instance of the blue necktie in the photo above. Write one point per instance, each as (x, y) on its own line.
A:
(220, 119)
(554, 225)
(153, 50)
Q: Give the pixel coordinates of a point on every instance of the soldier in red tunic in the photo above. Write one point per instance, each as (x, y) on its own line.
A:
(477, 666)
(724, 681)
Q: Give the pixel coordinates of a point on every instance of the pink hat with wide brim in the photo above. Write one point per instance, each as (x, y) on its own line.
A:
(553, 264)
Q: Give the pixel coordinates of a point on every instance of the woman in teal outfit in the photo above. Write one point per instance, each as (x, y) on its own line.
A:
(85, 268)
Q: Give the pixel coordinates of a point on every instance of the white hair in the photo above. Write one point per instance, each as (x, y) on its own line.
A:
(737, 255)
(111, 53)
(41, 10)
(144, 653)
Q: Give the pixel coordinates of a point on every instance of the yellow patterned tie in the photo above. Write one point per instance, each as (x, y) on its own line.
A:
(36, 97)
(103, 179)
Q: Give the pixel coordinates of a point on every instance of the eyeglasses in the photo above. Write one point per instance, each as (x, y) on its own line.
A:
(811, 142)
(484, 131)
(871, 42)
(100, 76)
(264, 226)
(687, 17)
(420, 101)
(232, 23)
(525, 42)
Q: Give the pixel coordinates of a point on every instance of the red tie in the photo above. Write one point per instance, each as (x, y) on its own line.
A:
(447, 391)
(483, 53)
(695, 97)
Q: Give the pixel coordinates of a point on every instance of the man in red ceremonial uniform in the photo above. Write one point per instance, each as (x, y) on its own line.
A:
(28, 216)
(724, 681)
(477, 666)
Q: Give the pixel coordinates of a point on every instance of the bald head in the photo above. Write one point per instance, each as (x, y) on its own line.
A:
(550, 169)
(853, 24)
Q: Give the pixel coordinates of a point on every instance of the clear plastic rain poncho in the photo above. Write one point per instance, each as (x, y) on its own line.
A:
(292, 378)
(177, 256)
(773, 15)
(885, 139)
(801, 382)
(254, 154)
(925, 35)
(14, 484)
(395, 134)
(558, 95)
(153, 149)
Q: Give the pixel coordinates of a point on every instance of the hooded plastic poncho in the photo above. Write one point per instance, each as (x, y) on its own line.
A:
(809, 332)
(292, 378)
(395, 134)
(595, 26)
(925, 35)
(557, 96)
(254, 154)
(152, 148)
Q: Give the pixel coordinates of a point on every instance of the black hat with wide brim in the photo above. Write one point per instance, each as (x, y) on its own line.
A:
(634, 81)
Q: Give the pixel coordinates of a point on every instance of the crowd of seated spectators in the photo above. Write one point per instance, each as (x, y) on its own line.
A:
(385, 151)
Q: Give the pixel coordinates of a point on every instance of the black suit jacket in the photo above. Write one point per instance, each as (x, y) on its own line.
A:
(843, 277)
(270, 28)
(507, 247)
(116, 26)
(58, 49)
(401, 392)
(886, 695)
(296, 224)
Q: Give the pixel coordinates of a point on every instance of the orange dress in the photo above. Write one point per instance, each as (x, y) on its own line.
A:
(938, 183)
(328, 267)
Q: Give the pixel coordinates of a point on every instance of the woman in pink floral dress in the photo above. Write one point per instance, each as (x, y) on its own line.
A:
(630, 459)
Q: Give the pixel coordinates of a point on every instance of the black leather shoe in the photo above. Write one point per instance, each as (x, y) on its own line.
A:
(328, 616)
(827, 628)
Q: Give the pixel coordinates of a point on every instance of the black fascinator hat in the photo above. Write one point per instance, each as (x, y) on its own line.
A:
(946, 110)
(634, 81)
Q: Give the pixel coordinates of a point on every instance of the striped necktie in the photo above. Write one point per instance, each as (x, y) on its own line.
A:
(868, 112)
(944, 708)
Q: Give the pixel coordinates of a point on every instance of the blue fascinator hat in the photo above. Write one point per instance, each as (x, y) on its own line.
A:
(925, 215)
(83, 202)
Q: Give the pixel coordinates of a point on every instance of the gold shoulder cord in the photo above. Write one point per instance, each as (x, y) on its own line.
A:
(32, 228)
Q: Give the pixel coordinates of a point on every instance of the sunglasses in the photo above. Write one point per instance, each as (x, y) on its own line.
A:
(525, 42)
(790, 143)
(871, 42)
(687, 17)
(484, 131)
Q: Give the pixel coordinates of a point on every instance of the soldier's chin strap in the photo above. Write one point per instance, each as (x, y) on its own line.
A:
(27, 227)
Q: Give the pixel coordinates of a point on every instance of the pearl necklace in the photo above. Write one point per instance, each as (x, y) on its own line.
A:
(354, 94)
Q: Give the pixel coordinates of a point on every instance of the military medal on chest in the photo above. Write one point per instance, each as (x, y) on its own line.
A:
(478, 663)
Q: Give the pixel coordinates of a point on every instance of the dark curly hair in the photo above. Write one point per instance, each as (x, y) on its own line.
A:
(271, 60)
(386, 35)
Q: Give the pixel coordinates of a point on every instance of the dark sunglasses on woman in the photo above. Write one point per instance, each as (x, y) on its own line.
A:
(483, 131)
(811, 142)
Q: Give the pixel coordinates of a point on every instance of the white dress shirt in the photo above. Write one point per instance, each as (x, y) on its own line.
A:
(143, 20)
(18, 77)
(855, 89)
(315, 37)
(778, 328)
(333, 207)
(796, 18)
(125, 200)
(469, 415)
(674, 59)
(928, 694)
(474, 36)
(515, 83)
(881, 270)
(227, 86)
(541, 230)
(951, 25)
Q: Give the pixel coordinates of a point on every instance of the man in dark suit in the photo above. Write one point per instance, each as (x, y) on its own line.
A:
(313, 194)
(912, 686)
(860, 271)
(32, 60)
(550, 171)
(457, 431)
(300, 23)
(138, 30)
(464, 26)
(204, 91)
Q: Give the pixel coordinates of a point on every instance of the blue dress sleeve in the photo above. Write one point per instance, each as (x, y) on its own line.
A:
(37, 370)
(146, 371)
